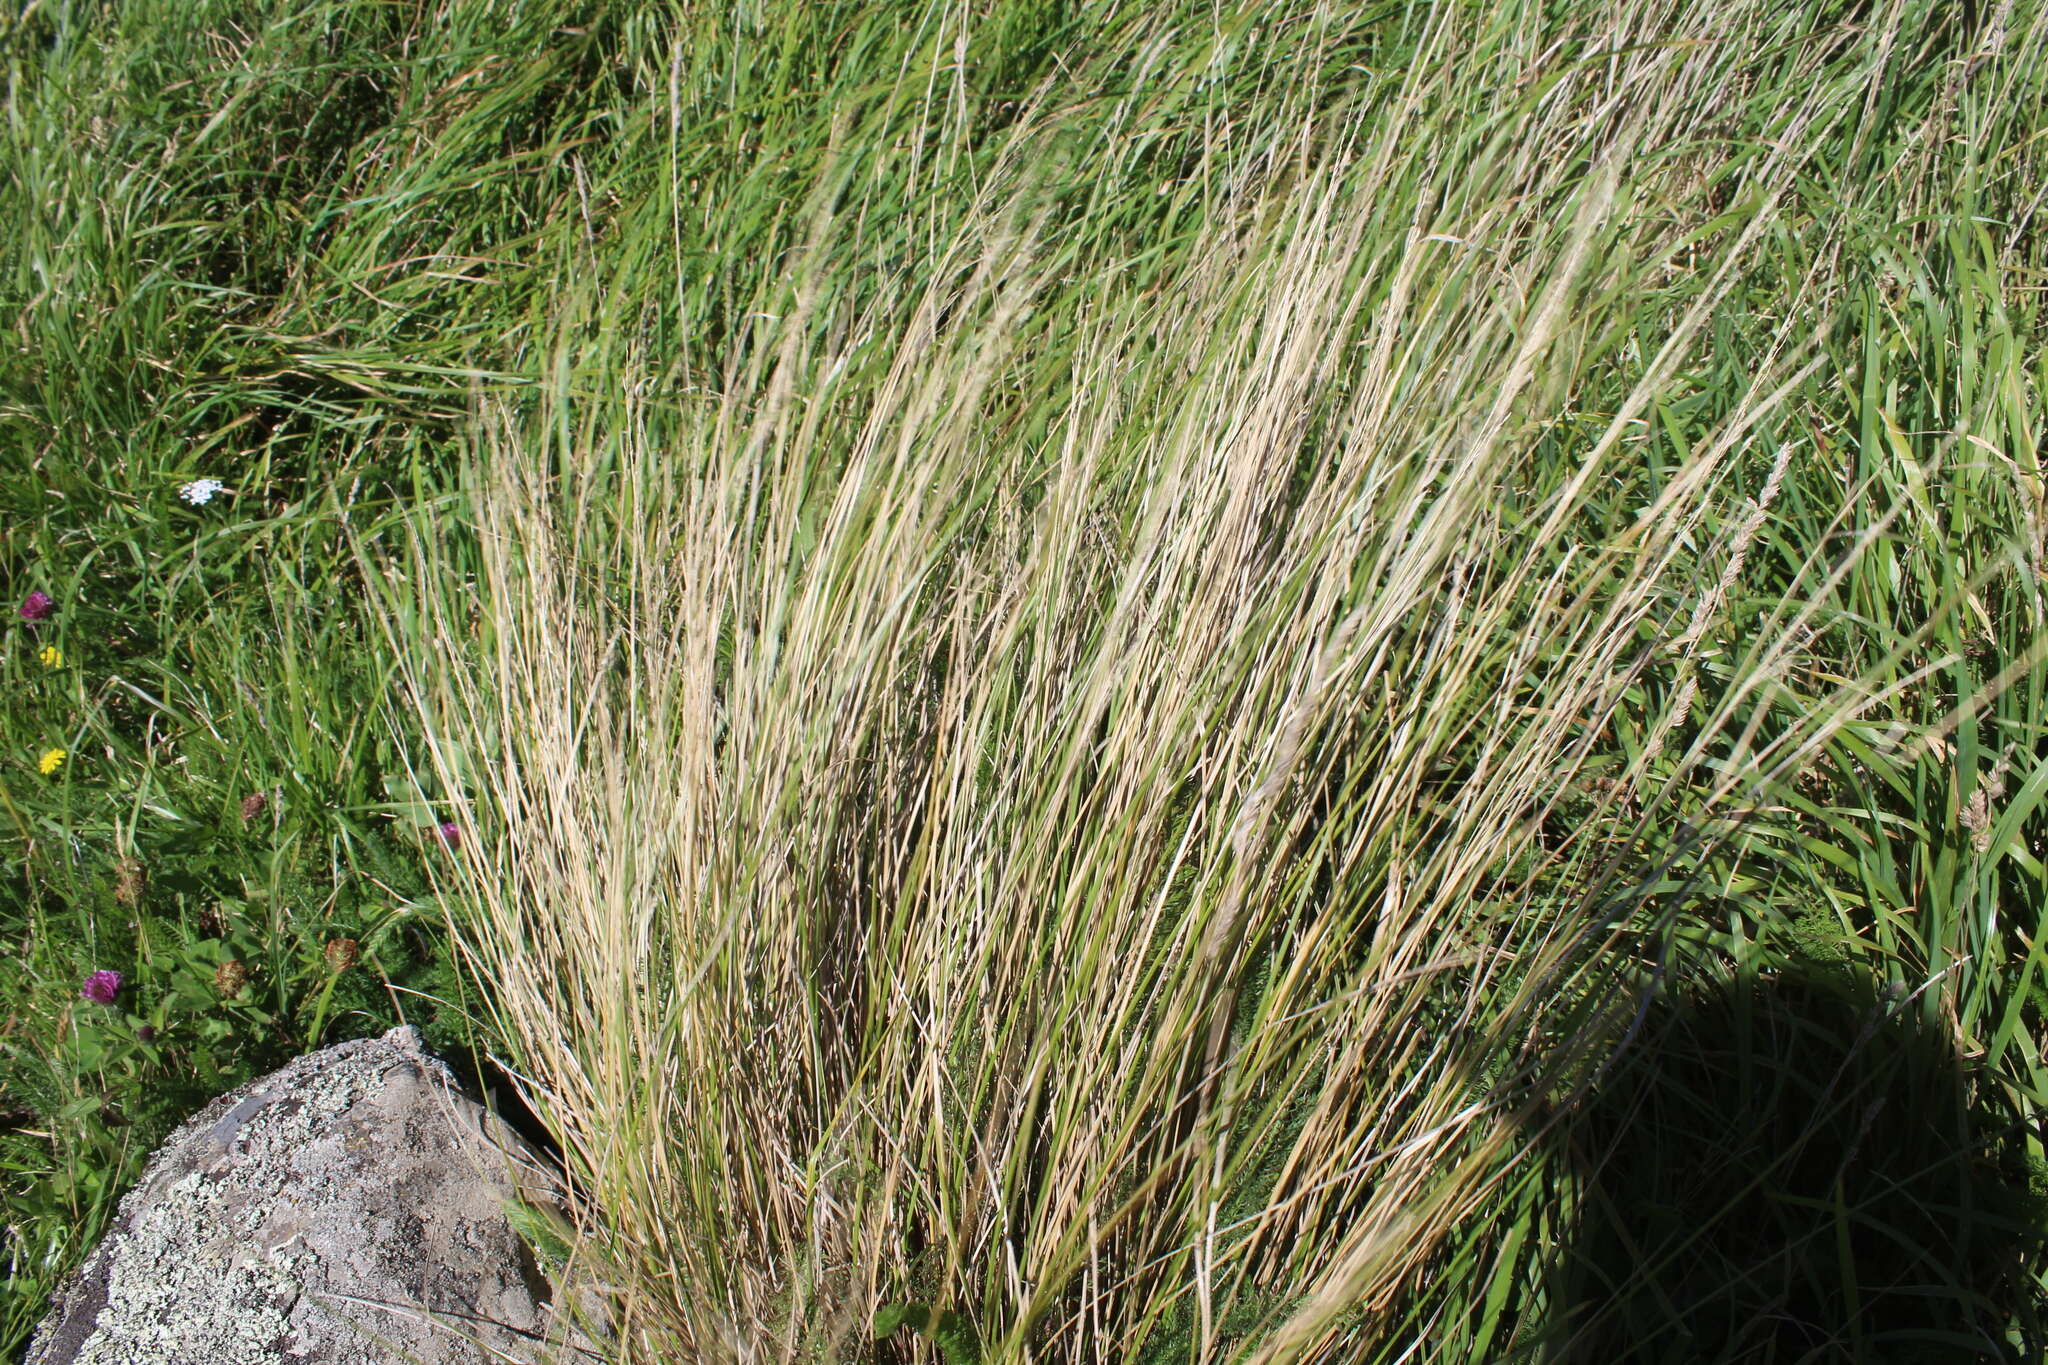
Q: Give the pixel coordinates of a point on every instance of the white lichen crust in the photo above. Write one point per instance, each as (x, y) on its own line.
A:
(346, 1210)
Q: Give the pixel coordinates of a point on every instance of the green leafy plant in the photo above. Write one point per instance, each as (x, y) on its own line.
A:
(951, 1333)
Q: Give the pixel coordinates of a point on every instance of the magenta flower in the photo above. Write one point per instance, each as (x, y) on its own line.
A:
(102, 986)
(37, 606)
(451, 834)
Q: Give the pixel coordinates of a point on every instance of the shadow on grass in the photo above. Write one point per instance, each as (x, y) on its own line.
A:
(1794, 1168)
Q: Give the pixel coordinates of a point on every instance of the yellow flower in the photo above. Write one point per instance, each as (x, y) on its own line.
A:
(51, 656)
(51, 760)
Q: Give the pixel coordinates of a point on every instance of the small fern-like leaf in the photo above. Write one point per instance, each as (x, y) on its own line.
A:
(953, 1334)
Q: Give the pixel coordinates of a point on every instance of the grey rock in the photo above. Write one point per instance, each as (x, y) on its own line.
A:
(348, 1209)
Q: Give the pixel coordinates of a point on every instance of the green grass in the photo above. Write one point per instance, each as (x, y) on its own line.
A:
(1093, 657)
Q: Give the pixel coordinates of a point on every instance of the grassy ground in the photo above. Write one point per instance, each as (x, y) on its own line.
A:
(1114, 682)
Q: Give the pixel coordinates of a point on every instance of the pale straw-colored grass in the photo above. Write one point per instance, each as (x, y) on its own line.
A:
(1058, 832)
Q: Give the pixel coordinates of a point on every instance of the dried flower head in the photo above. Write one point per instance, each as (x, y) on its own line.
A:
(37, 606)
(341, 953)
(128, 882)
(252, 806)
(230, 977)
(101, 987)
(1979, 813)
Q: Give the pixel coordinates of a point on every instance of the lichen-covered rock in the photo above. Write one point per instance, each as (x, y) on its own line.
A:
(349, 1209)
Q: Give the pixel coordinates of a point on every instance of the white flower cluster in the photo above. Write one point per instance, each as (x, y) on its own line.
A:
(199, 492)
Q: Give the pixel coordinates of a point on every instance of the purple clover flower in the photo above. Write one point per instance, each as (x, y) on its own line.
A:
(451, 834)
(102, 986)
(37, 606)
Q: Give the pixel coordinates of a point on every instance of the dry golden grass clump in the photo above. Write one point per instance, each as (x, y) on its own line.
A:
(1101, 785)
